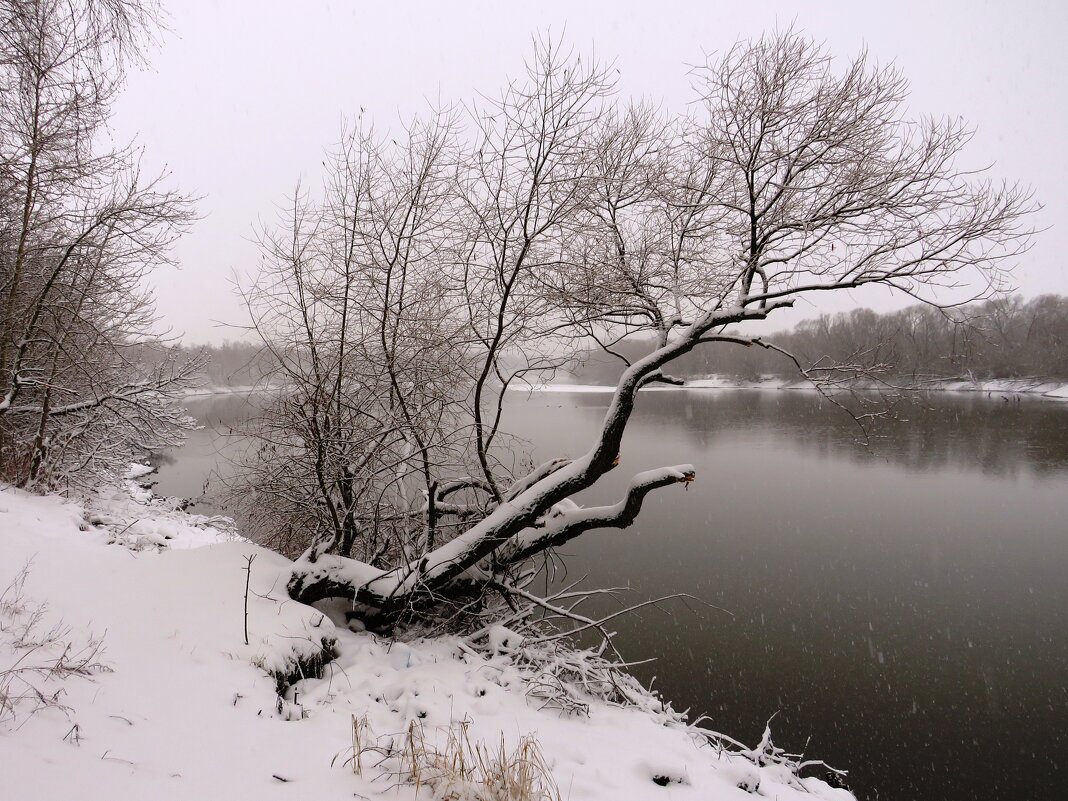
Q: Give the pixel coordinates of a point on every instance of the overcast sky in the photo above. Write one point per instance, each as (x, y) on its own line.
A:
(244, 95)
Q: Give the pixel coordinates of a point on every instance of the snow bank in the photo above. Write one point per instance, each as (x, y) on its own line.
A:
(184, 711)
(134, 517)
(183, 708)
(1002, 386)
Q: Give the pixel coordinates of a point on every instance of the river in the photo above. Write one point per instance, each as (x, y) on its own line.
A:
(899, 606)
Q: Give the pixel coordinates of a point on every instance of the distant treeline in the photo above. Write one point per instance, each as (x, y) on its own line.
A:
(229, 364)
(1003, 338)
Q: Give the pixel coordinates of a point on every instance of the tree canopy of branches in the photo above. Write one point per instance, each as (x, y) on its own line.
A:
(80, 227)
(478, 250)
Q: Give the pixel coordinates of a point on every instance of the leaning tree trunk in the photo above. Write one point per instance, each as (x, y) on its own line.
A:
(533, 516)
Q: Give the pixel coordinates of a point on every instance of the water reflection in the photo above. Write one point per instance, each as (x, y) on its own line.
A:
(196, 469)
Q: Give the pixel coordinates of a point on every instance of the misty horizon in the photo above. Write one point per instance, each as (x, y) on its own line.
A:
(241, 102)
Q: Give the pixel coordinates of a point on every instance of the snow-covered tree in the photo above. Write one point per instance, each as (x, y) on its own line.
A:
(80, 227)
(439, 267)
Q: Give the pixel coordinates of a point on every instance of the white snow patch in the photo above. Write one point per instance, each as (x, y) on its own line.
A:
(136, 471)
(503, 640)
(133, 516)
(1001, 386)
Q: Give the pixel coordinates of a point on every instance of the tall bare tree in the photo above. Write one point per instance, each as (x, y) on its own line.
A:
(80, 228)
(351, 306)
(556, 214)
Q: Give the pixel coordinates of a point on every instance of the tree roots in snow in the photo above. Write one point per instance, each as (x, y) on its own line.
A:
(297, 666)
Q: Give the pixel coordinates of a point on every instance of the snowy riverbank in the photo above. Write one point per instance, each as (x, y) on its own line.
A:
(1053, 390)
(163, 698)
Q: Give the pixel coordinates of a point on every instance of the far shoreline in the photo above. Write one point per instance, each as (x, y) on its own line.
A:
(1040, 388)
(1036, 388)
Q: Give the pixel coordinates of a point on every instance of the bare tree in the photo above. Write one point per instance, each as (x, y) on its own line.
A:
(556, 216)
(80, 228)
(352, 308)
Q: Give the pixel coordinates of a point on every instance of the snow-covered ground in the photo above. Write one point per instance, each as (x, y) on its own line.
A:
(127, 676)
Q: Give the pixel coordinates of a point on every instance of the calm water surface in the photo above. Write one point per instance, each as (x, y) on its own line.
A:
(899, 608)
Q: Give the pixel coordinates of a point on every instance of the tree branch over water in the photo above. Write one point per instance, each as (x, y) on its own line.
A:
(495, 241)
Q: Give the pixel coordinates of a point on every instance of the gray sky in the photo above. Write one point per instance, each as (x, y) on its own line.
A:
(243, 97)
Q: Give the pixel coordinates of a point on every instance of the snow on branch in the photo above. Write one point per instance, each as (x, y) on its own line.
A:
(563, 526)
(124, 393)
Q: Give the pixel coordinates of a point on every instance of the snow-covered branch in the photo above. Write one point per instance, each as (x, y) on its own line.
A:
(562, 524)
(128, 392)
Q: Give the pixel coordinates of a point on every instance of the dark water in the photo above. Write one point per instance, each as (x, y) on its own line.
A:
(194, 470)
(900, 608)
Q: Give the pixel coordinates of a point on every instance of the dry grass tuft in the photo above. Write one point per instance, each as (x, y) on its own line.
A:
(461, 770)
